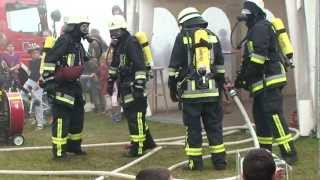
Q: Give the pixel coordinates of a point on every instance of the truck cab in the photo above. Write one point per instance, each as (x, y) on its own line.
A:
(23, 22)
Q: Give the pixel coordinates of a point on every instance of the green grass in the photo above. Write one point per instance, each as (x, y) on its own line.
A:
(99, 129)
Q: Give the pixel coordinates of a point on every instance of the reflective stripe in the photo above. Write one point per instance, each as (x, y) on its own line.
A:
(49, 67)
(250, 46)
(280, 129)
(193, 151)
(140, 75)
(284, 140)
(212, 39)
(187, 40)
(269, 81)
(75, 137)
(141, 133)
(256, 58)
(265, 140)
(59, 136)
(128, 98)
(172, 71)
(65, 98)
(137, 138)
(200, 94)
(113, 70)
(217, 148)
(70, 59)
(210, 83)
(58, 141)
(220, 68)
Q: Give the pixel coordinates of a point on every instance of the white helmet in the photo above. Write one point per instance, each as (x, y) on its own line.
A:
(188, 13)
(259, 3)
(76, 19)
(117, 22)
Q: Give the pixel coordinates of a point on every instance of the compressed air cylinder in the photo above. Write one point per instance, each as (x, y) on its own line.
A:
(143, 41)
(283, 37)
(202, 53)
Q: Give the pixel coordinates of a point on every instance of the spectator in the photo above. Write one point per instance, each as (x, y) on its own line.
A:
(12, 59)
(94, 48)
(102, 75)
(154, 174)
(259, 164)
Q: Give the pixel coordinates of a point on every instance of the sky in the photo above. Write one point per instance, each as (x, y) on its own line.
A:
(98, 11)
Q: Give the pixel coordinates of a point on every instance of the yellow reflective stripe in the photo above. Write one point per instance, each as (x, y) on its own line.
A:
(256, 58)
(187, 40)
(193, 85)
(193, 151)
(269, 81)
(141, 133)
(140, 75)
(217, 148)
(128, 98)
(250, 46)
(137, 138)
(220, 68)
(75, 137)
(58, 141)
(59, 136)
(49, 67)
(70, 59)
(283, 140)
(265, 140)
(212, 39)
(43, 55)
(280, 129)
(66, 100)
(199, 94)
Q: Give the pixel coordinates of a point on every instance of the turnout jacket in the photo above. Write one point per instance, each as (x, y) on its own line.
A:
(128, 67)
(261, 66)
(182, 73)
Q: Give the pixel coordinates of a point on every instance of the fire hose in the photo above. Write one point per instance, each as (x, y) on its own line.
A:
(172, 141)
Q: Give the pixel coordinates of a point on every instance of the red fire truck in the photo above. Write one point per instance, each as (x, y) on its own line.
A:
(22, 22)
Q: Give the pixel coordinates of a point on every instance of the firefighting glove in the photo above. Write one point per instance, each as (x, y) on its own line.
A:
(138, 88)
(110, 86)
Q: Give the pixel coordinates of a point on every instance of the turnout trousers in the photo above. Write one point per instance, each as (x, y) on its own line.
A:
(140, 136)
(271, 125)
(211, 114)
(67, 127)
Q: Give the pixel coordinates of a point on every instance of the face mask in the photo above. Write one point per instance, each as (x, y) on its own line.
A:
(84, 28)
(116, 34)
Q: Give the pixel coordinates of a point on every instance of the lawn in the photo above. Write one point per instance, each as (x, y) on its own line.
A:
(99, 129)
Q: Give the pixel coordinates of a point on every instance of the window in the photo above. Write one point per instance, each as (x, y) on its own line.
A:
(23, 19)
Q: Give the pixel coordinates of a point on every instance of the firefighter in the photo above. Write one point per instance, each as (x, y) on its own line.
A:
(61, 71)
(264, 76)
(128, 69)
(196, 75)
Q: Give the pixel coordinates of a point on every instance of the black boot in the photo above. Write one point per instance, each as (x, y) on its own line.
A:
(149, 142)
(290, 157)
(195, 163)
(219, 161)
(75, 147)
